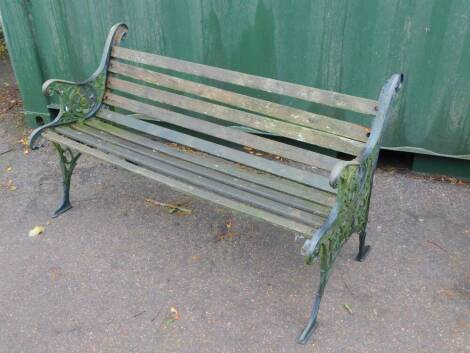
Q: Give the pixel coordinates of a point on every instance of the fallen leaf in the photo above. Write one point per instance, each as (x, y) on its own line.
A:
(448, 293)
(172, 317)
(48, 222)
(168, 321)
(10, 185)
(9, 169)
(24, 140)
(175, 313)
(348, 308)
(36, 231)
(55, 273)
(186, 149)
(229, 234)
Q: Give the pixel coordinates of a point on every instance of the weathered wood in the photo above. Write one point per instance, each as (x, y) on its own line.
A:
(261, 106)
(193, 175)
(259, 122)
(243, 158)
(287, 187)
(209, 173)
(329, 98)
(313, 159)
(184, 187)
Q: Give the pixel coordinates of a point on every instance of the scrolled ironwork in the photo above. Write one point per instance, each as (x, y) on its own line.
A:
(80, 100)
(353, 180)
(68, 160)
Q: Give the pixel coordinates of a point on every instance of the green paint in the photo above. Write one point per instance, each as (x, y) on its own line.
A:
(76, 101)
(68, 160)
(23, 52)
(354, 189)
(458, 168)
(347, 46)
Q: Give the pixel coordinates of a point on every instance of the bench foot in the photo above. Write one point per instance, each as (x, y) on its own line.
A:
(64, 207)
(68, 161)
(312, 322)
(325, 270)
(363, 248)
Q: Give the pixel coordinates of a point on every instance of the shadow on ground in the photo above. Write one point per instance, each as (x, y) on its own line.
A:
(105, 276)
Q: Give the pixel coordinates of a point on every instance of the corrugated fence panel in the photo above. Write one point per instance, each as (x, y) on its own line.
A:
(342, 45)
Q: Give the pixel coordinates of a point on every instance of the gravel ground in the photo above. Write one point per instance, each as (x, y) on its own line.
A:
(114, 273)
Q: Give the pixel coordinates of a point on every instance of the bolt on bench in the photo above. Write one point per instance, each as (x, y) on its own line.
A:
(184, 124)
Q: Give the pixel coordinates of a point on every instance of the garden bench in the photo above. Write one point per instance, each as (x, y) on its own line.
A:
(212, 133)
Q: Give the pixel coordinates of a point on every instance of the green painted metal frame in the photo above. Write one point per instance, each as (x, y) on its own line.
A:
(68, 160)
(80, 100)
(354, 180)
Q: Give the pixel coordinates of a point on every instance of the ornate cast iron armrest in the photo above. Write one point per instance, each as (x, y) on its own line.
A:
(338, 169)
(348, 215)
(80, 100)
(353, 179)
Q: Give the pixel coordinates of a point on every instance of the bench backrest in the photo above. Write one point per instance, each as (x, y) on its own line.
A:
(156, 86)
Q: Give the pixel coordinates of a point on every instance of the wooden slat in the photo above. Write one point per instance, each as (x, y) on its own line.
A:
(261, 106)
(329, 98)
(243, 158)
(181, 186)
(259, 122)
(194, 176)
(314, 159)
(285, 186)
(153, 150)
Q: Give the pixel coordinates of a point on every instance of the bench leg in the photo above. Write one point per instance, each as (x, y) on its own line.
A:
(363, 248)
(312, 321)
(68, 160)
(362, 219)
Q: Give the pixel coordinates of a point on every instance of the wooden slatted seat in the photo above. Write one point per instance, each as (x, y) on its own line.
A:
(205, 131)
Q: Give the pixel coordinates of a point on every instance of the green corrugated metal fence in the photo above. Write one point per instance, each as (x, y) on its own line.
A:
(346, 45)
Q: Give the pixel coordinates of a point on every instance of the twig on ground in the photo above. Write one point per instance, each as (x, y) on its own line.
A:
(5, 152)
(12, 104)
(171, 207)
